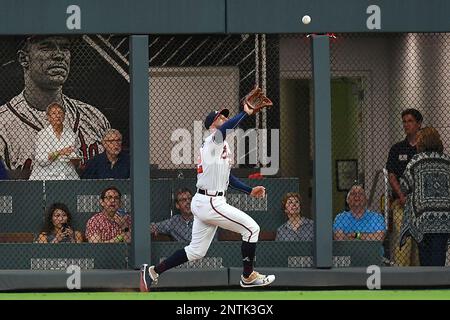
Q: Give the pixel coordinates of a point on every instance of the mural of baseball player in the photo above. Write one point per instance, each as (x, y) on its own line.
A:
(46, 65)
(210, 207)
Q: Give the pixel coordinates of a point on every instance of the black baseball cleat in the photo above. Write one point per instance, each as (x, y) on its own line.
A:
(148, 276)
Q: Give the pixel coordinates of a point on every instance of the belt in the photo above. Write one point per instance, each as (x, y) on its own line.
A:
(214, 194)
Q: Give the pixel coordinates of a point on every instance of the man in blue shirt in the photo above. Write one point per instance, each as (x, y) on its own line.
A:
(358, 222)
(178, 226)
(113, 163)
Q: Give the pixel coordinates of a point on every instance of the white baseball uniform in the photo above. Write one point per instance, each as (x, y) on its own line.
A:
(211, 210)
(20, 122)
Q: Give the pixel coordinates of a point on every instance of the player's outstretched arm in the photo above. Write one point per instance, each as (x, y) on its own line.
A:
(258, 192)
(230, 124)
(237, 184)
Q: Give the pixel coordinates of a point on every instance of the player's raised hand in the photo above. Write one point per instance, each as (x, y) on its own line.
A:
(247, 108)
(258, 192)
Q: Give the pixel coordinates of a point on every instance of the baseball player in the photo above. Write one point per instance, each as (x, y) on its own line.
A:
(210, 207)
(46, 64)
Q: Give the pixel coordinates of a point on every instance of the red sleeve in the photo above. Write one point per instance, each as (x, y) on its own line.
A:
(92, 227)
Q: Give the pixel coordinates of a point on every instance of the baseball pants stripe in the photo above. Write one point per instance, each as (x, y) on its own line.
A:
(210, 213)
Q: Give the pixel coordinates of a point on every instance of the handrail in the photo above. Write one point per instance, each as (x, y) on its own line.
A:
(386, 192)
(386, 197)
(373, 187)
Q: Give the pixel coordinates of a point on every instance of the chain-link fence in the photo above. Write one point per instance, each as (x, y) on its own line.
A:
(60, 96)
(374, 78)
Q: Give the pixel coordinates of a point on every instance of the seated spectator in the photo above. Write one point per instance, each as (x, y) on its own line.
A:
(179, 226)
(3, 171)
(358, 222)
(55, 148)
(109, 225)
(296, 228)
(113, 163)
(58, 226)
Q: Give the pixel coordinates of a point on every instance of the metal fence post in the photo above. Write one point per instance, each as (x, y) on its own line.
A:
(139, 145)
(322, 192)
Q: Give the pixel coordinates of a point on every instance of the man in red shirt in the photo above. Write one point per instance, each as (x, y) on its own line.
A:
(109, 226)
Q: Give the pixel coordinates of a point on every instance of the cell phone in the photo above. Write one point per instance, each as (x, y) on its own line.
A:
(64, 226)
(121, 211)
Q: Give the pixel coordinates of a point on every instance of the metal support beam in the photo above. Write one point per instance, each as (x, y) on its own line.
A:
(322, 193)
(139, 146)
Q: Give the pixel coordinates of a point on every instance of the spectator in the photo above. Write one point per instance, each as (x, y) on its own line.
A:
(426, 182)
(109, 225)
(399, 156)
(3, 171)
(111, 164)
(296, 228)
(179, 226)
(358, 222)
(45, 60)
(58, 226)
(55, 148)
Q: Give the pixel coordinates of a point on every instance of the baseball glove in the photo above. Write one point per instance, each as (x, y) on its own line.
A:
(256, 100)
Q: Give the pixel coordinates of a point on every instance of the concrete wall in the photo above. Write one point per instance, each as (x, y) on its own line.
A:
(186, 93)
(423, 57)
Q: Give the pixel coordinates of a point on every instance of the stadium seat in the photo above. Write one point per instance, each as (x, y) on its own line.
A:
(17, 237)
(162, 237)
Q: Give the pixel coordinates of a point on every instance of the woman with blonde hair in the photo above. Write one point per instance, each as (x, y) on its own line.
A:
(55, 148)
(426, 181)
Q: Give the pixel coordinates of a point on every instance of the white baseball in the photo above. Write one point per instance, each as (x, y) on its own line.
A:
(306, 19)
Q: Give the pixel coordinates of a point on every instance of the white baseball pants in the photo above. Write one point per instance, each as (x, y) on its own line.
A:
(210, 213)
